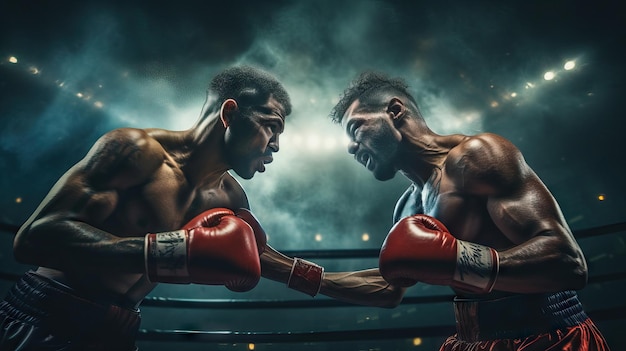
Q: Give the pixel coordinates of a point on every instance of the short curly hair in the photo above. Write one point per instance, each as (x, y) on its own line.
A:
(248, 85)
(367, 86)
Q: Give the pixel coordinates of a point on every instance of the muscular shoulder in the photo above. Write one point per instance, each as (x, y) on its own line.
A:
(122, 158)
(486, 164)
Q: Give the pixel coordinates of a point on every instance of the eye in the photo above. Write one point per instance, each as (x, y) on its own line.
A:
(273, 127)
(353, 129)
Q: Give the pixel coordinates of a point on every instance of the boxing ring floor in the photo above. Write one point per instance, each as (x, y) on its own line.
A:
(272, 317)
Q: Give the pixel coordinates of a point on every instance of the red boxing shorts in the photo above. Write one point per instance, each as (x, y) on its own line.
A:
(536, 322)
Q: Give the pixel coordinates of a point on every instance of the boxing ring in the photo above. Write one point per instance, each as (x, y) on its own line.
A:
(421, 322)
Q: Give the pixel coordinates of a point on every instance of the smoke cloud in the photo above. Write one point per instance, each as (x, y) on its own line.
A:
(471, 69)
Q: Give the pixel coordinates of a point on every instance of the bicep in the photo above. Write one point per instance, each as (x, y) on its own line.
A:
(89, 191)
(70, 199)
(66, 220)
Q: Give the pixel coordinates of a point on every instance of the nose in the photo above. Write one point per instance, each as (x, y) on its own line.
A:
(274, 144)
(353, 147)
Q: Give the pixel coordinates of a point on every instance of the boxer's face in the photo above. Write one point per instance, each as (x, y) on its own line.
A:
(252, 137)
(374, 140)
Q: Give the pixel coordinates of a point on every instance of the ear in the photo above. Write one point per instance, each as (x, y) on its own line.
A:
(228, 111)
(396, 109)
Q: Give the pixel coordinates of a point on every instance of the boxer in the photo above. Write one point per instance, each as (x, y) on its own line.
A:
(475, 218)
(150, 206)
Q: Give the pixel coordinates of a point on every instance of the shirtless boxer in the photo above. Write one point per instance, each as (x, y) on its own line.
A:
(149, 205)
(475, 218)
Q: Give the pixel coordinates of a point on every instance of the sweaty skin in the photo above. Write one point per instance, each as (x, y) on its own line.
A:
(88, 232)
(481, 188)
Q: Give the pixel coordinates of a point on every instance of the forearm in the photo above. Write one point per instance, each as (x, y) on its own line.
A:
(275, 266)
(365, 287)
(71, 245)
(543, 264)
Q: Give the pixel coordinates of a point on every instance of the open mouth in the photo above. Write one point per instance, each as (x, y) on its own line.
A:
(366, 160)
(263, 161)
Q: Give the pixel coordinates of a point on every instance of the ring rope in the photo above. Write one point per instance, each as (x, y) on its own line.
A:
(324, 336)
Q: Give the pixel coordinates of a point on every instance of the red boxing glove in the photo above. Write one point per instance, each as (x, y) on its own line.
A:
(259, 233)
(420, 248)
(214, 248)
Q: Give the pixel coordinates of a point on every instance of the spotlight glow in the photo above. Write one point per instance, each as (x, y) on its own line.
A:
(296, 139)
(345, 141)
(365, 237)
(330, 143)
(549, 75)
(569, 65)
(13, 59)
(318, 237)
(313, 142)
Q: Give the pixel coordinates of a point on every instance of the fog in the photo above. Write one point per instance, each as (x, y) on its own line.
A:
(71, 71)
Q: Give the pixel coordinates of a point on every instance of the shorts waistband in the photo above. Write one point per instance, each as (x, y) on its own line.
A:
(517, 316)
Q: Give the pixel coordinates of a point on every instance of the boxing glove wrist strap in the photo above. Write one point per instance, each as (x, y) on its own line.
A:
(305, 277)
(477, 267)
(166, 257)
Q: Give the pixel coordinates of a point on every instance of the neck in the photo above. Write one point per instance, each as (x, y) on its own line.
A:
(206, 161)
(424, 151)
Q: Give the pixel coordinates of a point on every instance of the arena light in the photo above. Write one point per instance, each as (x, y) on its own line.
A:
(601, 197)
(365, 237)
(549, 75)
(569, 65)
(318, 237)
(12, 59)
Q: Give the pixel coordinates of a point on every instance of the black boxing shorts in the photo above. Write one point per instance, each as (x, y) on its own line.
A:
(41, 314)
(534, 322)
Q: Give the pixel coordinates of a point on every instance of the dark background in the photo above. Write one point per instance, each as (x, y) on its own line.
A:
(72, 70)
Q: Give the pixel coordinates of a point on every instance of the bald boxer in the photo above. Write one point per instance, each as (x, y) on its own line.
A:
(476, 218)
(149, 206)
